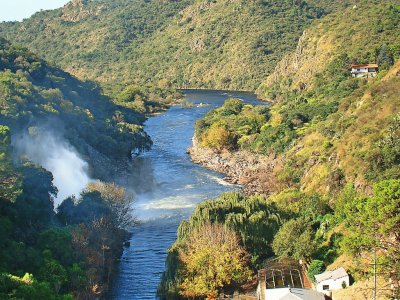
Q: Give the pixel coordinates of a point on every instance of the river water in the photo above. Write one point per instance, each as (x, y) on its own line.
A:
(168, 186)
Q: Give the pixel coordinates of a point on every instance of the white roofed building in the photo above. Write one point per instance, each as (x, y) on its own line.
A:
(332, 280)
(293, 294)
(366, 70)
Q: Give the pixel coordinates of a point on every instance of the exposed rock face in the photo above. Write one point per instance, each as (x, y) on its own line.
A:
(312, 54)
(78, 10)
(253, 171)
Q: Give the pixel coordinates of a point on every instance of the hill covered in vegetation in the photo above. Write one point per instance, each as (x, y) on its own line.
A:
(191, 43)
(69, 251)
(33, 92)
(331, 142)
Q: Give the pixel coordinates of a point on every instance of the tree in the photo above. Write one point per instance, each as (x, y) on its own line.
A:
(316, 267)
(374, 223)
(10, 181)
(232, 106)
(119, 200)
(217, 137)
(294, 239)
(384, 57)
(212, 258)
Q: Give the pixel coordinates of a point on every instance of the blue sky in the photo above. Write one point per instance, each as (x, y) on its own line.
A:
(16, 10)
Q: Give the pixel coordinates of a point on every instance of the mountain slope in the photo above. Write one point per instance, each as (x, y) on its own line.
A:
(196, 43)
(53, 119)
(89, 38)
(34, 92)
(325, 154)
(364, 33)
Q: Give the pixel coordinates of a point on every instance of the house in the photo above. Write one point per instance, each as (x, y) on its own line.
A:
(332, 280)
(365, 70)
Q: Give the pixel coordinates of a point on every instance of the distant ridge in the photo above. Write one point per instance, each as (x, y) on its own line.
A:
(202, 44)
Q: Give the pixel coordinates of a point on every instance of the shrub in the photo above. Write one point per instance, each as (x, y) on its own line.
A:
(316, 267)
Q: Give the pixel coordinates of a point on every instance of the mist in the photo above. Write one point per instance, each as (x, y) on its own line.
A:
(51, 151)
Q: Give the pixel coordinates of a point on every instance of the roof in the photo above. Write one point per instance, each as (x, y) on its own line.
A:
(335, 274)
(365, 66)
(293, 294)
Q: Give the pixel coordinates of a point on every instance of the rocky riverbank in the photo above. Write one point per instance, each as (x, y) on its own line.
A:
(255, 172)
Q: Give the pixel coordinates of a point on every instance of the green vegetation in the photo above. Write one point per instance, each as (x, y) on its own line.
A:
(196, 43)
(149, 98)
(254, 219)
(34, 90)
(211, 258)
(71, 253)
(364, 33)
(304, 228)
(374, 222)
(234, 125)
(316, 267)
(54, 261)
(335, 140)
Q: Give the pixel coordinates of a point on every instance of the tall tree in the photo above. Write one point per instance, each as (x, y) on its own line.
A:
(294, 239)
(212, 259)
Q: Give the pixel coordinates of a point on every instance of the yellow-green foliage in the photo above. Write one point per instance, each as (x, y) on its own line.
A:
(216, 137)
(27, 287)
(359, 142)
(254, 219)
(231, 126)
(373, 128)
(211, 258)
(148, 98)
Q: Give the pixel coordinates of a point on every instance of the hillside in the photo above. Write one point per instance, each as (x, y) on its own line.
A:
(320, 163)
(326, 151)
(35, 92)
(364, 33)
(193, 43)
(50, 119)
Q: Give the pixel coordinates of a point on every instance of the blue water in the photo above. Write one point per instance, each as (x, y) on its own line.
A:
(168, 186)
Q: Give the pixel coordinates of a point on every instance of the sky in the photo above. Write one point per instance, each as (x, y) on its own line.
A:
(16, 10)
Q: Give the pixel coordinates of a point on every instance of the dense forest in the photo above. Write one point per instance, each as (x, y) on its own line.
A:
(67, 252)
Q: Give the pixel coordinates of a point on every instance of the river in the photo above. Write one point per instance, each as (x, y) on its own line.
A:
(168, 186)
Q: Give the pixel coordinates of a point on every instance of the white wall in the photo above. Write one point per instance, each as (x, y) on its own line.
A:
(333, 284)
(363, 70)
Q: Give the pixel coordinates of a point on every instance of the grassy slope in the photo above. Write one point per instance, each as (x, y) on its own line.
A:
(356, 31)
(357, 143)
(349, 140)
(346, 140)
(221, 44)
(356, 140)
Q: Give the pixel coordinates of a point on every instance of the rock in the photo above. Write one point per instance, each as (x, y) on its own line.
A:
(253, 171)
